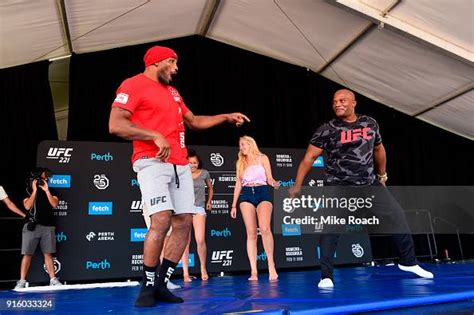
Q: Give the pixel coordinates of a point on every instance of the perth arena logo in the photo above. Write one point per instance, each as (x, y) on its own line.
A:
(100, 236)
(101, 181)
(90, 236)
(62, 155)
(216, 159)
(318, 183)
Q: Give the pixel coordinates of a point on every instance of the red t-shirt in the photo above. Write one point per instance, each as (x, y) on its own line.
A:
(157, 107)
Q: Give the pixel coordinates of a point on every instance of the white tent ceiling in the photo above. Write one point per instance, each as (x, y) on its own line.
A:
(413, 55)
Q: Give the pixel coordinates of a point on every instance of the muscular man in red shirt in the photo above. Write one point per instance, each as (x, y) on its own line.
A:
(150, 112)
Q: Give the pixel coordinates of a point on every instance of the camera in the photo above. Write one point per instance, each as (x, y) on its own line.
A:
(36, 174)
(30, 222)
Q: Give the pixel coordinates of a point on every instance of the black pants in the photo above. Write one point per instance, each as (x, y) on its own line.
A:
(403, 242)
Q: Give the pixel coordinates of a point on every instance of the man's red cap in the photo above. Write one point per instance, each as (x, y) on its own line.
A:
(158, 53)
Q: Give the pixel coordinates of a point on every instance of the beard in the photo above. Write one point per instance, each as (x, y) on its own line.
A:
(164, 79)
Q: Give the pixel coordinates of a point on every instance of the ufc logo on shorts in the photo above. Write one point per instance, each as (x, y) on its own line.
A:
(61, 154)
(157, 200)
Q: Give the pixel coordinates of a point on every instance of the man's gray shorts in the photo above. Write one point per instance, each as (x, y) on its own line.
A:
(160, 188)
(45, 235)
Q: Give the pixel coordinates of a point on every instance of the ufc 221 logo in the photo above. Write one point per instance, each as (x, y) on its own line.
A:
(63, 155)
(223, 257)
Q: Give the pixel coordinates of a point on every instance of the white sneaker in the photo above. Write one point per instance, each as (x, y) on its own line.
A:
(54, 282)
(325, 283)
(171, 286)
(416, 269)
(20, 284)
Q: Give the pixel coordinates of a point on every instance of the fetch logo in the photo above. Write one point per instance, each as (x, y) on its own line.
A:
(355, 134)
(100, 208)
(63, 155)
(138, 235)
(190, 262)
(101, 265)
(60, 181)
(102, 157)
(319, 162)
(290, 229)
(224, 233)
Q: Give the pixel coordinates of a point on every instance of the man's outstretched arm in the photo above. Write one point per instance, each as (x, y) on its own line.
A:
(13, 207)
(205, 122)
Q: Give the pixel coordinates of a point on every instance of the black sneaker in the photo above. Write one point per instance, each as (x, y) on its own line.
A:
(146, 297)
(164, 295)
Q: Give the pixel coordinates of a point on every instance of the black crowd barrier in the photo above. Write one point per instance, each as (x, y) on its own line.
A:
(100, 228)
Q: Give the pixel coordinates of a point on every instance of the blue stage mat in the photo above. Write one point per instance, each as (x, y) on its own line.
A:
(361, 289)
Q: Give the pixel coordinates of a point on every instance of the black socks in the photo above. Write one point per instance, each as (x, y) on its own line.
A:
(162, 292)
(146, 297)
(154, 286)
(166, 270)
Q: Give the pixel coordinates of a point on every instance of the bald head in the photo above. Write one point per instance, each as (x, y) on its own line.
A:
(346, 92)
(344, 104)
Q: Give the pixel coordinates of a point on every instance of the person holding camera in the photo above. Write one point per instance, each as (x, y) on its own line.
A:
(40, 227)
(10, 205)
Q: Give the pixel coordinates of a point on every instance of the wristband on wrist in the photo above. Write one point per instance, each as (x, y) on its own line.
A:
(382, 178)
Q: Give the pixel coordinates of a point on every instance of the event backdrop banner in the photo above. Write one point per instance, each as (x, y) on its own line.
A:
(100, 227)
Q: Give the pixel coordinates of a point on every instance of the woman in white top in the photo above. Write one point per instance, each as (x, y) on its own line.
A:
(254, 176)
